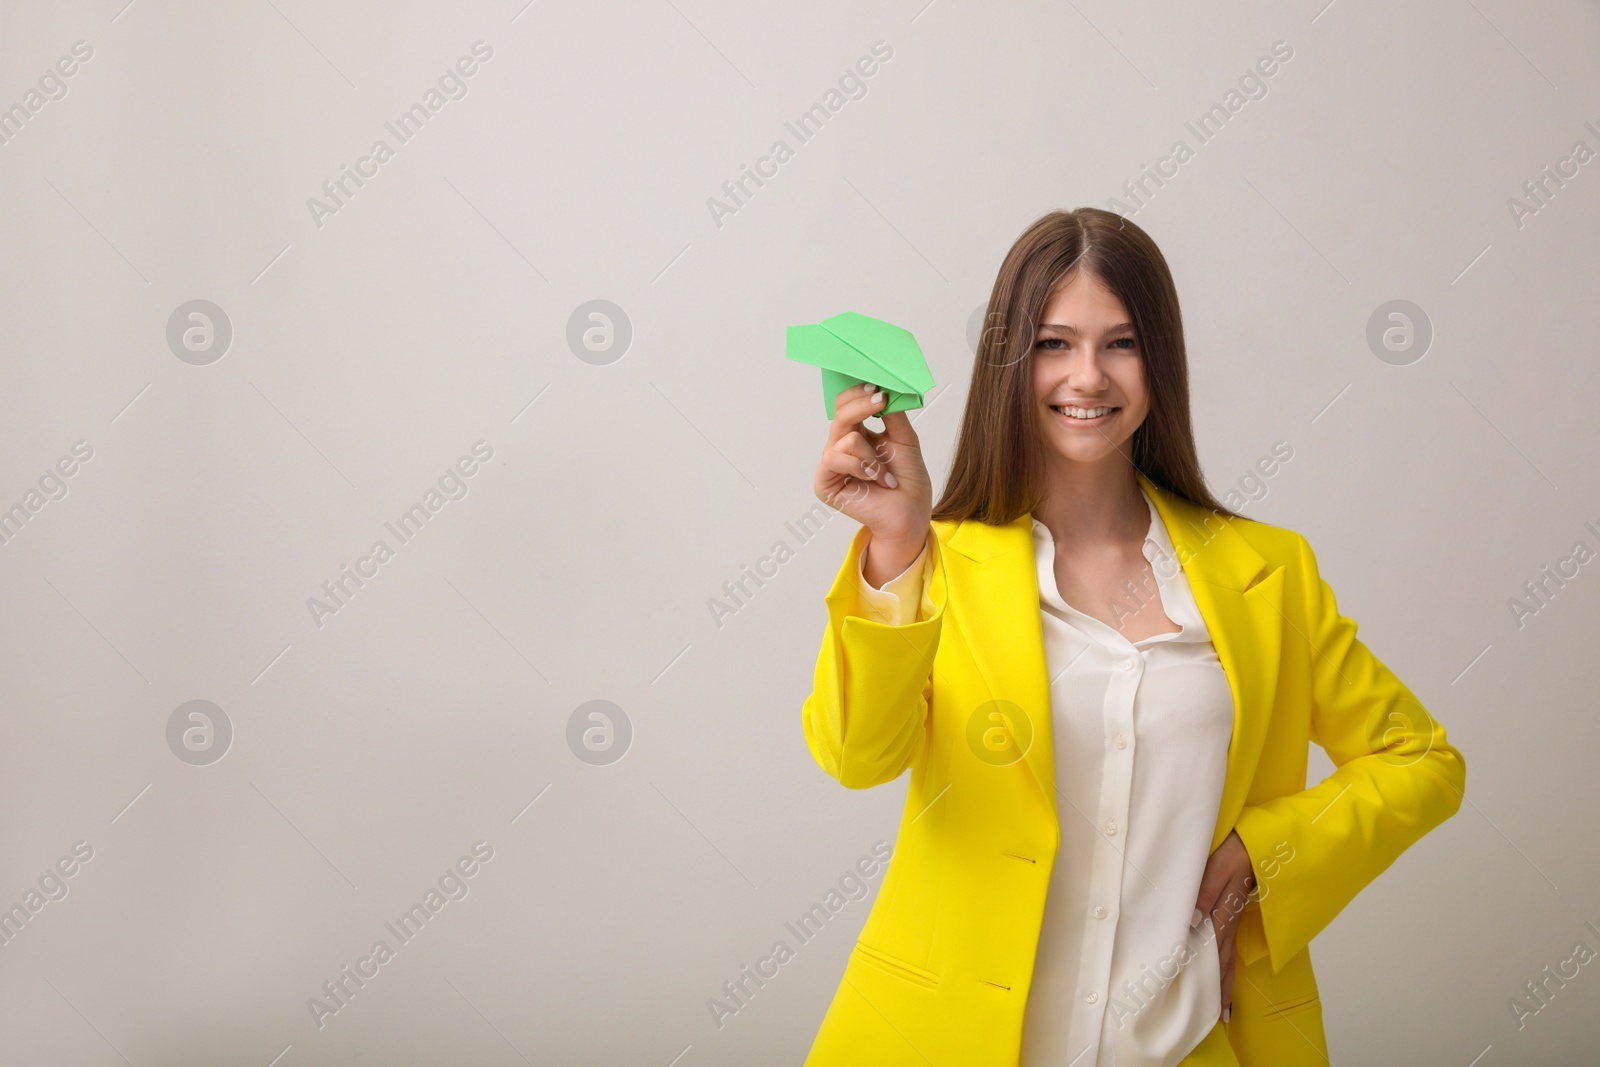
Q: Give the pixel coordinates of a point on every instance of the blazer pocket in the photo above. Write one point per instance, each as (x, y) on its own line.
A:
(1294, 1007)
(896, 966)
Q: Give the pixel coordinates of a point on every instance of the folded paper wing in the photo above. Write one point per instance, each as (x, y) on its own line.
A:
(852, 349)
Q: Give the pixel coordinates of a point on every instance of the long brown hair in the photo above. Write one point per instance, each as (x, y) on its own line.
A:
(997, 473)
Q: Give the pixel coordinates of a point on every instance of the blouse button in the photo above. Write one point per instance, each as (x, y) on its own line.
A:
(1125, 665)
(1092, 997)
(1122, 742)
(1111, 829)
(1099, 912)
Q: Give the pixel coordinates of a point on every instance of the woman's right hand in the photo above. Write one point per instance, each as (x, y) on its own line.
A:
(878, 479)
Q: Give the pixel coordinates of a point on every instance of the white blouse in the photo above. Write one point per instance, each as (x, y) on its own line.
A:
(1141, 733)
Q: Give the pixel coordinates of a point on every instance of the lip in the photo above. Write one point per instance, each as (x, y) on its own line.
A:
(1085, 424)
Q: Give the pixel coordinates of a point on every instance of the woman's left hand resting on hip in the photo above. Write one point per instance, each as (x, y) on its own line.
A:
(1225, 889)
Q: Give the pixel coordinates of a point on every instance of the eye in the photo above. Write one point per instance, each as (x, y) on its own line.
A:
(1048, 341)
(1131, 342)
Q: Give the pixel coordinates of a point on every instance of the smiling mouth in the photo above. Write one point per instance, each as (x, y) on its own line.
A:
(1084, 416)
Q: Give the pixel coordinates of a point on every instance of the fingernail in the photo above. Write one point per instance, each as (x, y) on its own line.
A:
(888, 479)
(877, 398)
(1196, 920)
(1227, 1013)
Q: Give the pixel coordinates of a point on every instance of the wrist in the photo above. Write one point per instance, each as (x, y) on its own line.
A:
(887, 557)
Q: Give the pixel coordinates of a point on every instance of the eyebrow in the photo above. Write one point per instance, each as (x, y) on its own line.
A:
(1064, 328)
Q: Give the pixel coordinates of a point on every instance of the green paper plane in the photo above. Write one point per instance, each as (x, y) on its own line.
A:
(852, 349)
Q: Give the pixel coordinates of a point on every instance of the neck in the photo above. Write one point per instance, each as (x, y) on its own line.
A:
(1094, 503)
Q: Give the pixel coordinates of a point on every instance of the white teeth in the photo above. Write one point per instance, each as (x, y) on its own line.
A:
(1084, 413)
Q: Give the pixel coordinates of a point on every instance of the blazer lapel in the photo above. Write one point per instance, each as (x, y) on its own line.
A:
(996, 588)
(994, 584)
(1241, 602)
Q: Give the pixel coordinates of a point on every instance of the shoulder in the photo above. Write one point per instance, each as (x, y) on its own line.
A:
(1278, 545)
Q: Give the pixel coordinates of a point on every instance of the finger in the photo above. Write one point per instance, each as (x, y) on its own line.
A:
(1212, 882)
(1228, 958)
(857, 405)
(851, 466)
(873, 463)
(897, 428)
(1230, 903)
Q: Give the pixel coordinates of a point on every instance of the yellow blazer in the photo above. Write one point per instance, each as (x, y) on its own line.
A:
(941, 972)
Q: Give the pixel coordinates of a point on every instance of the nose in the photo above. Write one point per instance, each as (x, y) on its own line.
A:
(1085, 372)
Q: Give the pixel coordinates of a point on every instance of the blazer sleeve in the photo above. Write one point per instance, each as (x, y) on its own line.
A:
(1396, 778)
(866, 717)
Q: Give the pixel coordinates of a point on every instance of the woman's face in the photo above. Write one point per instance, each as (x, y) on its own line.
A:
(1085, 359)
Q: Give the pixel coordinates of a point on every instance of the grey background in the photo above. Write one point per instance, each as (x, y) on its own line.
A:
(431, 312)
